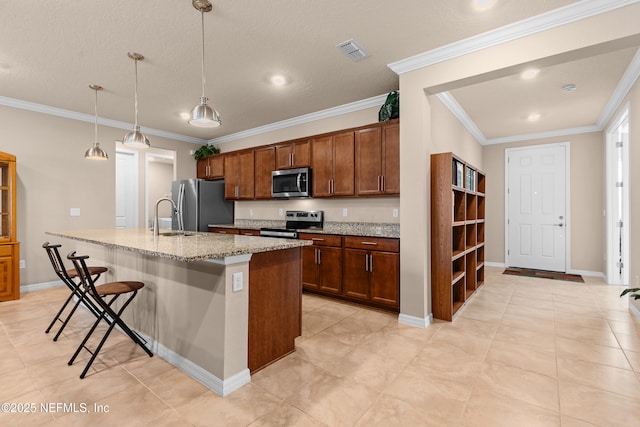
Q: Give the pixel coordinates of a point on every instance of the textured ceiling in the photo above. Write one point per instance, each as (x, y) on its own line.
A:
(51, 51)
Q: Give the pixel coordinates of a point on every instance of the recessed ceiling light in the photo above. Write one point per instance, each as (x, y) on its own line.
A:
(278, 80)
(530, 73)
(533, 117)
(482, 5)
(569, 88)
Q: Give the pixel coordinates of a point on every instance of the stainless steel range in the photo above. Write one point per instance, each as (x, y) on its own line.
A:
(296, 220)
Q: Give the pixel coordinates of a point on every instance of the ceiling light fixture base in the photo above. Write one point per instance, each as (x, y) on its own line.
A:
(202, 5)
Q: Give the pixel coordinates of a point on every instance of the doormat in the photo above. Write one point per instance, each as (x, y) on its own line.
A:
(529, 272)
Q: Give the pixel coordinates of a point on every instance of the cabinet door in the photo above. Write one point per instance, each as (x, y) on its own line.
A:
(247, 175)
(330, 265)
(231, 176)
(356, 277)
(310, 271)
(369, 161)
(322, 165)
(302, 154)
(391, 159)
(6, 278)
(284, 158)
(202, 168)
(344, 164)
(216, 166)
(384, 274)
(223, 230)
(265, 162)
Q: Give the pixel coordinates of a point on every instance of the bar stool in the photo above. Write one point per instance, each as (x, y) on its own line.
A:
(99, 294)
(68, 277)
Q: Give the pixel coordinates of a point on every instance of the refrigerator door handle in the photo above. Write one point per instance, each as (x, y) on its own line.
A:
(180, 208)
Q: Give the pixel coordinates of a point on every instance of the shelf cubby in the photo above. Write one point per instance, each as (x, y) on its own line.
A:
(471, 206)
(480, 206)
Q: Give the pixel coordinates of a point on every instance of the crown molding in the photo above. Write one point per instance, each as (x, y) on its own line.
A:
(625, 84)
(456, 109)
(545, 21)
(541, 135)
(375, 101)
(73, 115)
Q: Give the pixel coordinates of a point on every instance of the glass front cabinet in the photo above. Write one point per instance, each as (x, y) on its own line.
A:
(9, 246)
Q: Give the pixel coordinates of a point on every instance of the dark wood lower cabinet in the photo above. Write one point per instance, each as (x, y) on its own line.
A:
(275, 306)
(365, 270)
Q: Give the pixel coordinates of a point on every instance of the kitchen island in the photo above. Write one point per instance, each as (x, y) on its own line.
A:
(219, 307)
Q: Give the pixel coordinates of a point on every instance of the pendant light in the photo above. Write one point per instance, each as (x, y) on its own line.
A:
(95, 152)
(136, 138)
(202, 115)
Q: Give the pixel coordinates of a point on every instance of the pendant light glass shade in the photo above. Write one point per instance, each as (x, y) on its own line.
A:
(203, 115)
(136, 138)
(95, 152)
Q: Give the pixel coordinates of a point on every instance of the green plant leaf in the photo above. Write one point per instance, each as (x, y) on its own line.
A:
(626, 291)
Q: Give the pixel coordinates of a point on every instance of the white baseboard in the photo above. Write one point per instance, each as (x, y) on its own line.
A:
(633, 309)
(588, 273)
(494, 264)
(41, 286)
(420, 322)
(212, 382)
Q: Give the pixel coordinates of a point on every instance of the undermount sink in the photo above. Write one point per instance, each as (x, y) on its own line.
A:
(176, 233)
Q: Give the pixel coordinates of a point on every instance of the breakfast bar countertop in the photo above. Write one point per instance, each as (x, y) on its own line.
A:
(363, 229)
(194, 246)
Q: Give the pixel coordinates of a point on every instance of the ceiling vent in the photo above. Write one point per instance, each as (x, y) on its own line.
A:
(352, 50)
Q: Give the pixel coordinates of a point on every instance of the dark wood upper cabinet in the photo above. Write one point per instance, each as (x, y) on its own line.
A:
(293, 155)
(377, 153)
(264, 165)
(211, 167)
(332, 162)
(239, 175)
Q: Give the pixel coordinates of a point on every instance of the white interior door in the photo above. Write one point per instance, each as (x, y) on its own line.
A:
(126, 189)
(537, 207)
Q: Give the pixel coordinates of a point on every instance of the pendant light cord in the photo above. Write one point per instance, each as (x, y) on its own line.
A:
(135, 102)
(95, 127)
(202, 27)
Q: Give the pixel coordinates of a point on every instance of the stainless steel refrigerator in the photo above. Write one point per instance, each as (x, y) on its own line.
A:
(199, 204)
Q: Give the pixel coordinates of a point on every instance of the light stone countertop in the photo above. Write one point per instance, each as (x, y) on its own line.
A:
(363, 229)
(196, 246)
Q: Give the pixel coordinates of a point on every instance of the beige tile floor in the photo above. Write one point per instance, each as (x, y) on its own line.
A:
(522, 352)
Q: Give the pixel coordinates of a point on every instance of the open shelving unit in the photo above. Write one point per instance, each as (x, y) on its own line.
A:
(457, 233)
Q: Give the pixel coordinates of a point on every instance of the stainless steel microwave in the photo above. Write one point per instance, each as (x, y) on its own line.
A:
(288, 183)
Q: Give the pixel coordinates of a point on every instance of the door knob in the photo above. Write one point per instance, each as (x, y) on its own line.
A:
(559, 225)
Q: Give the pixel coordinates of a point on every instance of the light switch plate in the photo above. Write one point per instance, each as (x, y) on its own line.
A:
(74, 212)
(237, 282)
(395, 212)
(345, 212)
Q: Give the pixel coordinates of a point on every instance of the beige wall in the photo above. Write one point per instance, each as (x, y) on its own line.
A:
(53, 177)
(586, 204)
(159, 177)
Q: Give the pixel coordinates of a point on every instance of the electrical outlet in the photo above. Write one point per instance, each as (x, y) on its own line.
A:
(345, 212)
(395, 213)
(237, 282)
(23, 264)
(281, 212)
(250, 212)
(74, 212)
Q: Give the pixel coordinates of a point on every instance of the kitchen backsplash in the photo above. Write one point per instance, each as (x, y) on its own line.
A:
(371, 210)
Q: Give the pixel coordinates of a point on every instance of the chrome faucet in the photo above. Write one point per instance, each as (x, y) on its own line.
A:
(156, 228)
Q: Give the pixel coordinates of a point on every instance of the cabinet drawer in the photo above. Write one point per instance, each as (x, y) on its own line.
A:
(372, 243)
(249, 232)
(6, 250)
(322, 239)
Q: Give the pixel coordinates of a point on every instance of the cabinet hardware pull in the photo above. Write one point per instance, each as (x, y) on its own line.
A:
(383, 183)
(370, 263)
(369, 243)
(366, 262)
(293, 159)
(317, 239)
(329, 182)
(319, 256)
(333, 186)
(379, 184)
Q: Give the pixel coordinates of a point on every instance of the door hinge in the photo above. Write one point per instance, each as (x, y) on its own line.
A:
(619, 144)
(619, 264)
(619, 184)
(508, 252)
(507, 221)
(619, 224)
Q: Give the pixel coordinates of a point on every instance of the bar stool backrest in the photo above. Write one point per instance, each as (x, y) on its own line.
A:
(83, 273)
(56, 262)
